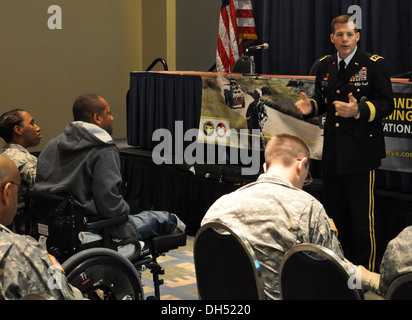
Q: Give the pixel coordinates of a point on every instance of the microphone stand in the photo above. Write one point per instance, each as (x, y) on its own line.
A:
(251, 72)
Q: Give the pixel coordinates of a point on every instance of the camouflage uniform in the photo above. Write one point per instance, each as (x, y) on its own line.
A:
(397, 259)
(26, 268)
(274, 216)
(27, 164)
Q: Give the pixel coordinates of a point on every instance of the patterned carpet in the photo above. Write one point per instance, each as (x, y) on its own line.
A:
(179, 278)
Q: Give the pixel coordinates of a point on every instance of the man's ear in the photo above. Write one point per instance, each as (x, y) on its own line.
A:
(96, 118)
(5, 193)
(302, 164)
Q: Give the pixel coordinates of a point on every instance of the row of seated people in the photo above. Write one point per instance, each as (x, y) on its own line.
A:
(274, 213)
(83, 162)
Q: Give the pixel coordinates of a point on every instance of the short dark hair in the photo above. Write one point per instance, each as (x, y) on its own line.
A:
(8, 120)
(86, 105)
(341, 19)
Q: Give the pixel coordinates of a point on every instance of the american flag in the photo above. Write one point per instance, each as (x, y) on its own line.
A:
(236, 24)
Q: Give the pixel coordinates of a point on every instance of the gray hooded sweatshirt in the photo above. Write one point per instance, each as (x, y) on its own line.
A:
(84, 161)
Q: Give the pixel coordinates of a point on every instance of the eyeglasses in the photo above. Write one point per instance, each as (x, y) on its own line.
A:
(309, 178)
(4, 187)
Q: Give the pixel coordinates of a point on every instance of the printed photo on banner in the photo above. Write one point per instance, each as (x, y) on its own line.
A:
(238, 107)
(266, 105)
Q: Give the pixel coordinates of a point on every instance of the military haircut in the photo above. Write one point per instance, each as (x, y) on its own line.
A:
(5, 173)
(285, 149)
(342, 19)
(8, 121)
(86, 105)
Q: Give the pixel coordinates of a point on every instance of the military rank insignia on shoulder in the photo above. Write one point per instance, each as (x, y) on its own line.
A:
(376, 57)
(323, 58)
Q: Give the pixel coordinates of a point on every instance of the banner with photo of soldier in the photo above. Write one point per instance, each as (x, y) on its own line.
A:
(398, 130)
(266, 104)
(234, 105)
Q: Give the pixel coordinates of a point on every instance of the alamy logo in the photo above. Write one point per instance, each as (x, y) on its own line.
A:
(55, 279)
(355, 280)
(173, 151)
(356, 18)
(55, 20)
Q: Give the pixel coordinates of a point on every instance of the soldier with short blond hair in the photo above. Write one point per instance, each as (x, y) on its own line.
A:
(274, 213)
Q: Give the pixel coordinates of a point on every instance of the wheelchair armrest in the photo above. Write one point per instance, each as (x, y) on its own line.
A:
(96, 226)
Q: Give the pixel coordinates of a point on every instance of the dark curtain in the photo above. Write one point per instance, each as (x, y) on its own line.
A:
(298, 32)
(148, 186)
(158, 100)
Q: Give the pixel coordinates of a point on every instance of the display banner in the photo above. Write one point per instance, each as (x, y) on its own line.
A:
(398, 130)
(237, 108)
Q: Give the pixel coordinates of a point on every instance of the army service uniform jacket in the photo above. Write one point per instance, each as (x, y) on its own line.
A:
(353, 145)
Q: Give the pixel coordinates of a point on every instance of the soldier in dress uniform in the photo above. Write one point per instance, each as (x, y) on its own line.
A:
(354, 89)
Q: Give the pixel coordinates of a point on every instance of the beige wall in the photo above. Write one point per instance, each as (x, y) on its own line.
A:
(100, 42)
(197, 23)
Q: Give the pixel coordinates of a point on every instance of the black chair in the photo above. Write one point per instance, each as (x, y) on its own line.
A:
(59, 222)
(226, 265)
(312, 272)
(400, 288)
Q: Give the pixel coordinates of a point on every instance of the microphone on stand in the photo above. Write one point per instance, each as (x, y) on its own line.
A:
(259, 47)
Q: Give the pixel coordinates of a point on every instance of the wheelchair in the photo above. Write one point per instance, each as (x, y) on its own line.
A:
(102, 268)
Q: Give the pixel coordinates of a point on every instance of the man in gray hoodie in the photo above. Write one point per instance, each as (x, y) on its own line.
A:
(84, 161)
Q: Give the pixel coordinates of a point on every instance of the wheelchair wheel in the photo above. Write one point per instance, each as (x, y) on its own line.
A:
(103, 274)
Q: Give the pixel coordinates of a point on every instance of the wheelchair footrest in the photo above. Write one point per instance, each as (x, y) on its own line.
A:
(168, 242)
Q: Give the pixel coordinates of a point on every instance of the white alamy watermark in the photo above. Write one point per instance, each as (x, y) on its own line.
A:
(355, 280)
(185, 148)
(55, 279)
(55, 21)
(356, 17)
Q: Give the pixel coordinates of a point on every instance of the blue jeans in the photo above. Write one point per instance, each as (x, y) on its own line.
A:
(150, 224)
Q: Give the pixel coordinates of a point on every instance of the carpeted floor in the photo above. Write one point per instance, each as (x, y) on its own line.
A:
(179, 278)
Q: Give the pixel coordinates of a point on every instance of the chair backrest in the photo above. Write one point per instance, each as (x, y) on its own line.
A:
(58, 220)
(400, 288)
(226, 265)
(312, 272)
